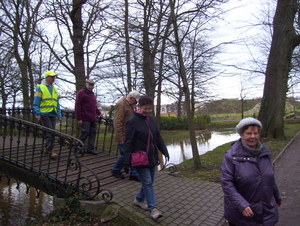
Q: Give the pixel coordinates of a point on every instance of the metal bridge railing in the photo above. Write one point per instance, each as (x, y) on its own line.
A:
(105, 141)
(22, 157)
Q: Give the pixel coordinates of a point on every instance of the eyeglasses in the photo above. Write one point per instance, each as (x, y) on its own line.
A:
(147, 109)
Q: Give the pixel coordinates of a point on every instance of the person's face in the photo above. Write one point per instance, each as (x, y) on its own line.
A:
(146, 109)
(89, 86)
(50, 80)
(250, 136)
(132, 101)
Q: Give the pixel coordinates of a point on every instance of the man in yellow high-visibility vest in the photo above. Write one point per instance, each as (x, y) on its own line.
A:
(46, 109)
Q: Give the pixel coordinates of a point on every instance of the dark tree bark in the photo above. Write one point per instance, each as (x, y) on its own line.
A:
(284, 41)
(127, 46)
(78, 43)
(148, 55)
(160, 73)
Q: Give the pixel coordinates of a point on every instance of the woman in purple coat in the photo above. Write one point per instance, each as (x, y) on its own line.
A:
(251, 196)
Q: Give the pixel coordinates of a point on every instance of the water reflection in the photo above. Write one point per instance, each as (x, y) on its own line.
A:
(181, 150)
(18, 208)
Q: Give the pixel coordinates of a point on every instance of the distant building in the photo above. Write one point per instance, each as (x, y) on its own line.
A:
(170, 110)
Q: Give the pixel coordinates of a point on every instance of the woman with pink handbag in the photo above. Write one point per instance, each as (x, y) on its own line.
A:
(142, 134)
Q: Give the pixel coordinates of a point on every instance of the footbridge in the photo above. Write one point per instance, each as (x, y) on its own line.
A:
(73, 171)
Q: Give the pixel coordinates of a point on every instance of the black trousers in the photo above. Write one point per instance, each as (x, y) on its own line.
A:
(49, 122)
(88, 130)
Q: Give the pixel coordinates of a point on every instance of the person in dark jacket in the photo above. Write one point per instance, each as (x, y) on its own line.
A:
(251, 196)
(136, 140)
(86, 112)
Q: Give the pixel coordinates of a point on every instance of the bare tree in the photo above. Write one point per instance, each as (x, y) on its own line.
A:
(145, 29)
(9, 78)
(153, 27)
(187, 33)
(284, 41)
(186, 90)
(78, 40)
(80, 22)
(19, 20)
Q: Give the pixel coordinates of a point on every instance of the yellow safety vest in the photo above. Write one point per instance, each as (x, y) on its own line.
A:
(48, 102)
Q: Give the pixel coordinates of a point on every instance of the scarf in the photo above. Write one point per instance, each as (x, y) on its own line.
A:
(253, 152)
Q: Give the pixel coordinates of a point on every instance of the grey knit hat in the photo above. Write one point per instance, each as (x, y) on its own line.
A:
(246, 122)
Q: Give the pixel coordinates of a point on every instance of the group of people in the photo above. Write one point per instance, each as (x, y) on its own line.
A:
(131, 126)
(251, 196)
(46, 109)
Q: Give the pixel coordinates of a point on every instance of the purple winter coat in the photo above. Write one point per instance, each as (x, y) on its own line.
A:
(86, 106)
(249, 181)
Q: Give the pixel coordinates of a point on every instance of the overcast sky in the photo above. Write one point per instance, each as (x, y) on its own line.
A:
(238, 27)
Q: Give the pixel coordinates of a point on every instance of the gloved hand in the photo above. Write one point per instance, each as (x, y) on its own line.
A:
(167, 157)
(126, 169)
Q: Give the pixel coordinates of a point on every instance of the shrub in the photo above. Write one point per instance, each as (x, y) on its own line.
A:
(180, 123)
(173, 123)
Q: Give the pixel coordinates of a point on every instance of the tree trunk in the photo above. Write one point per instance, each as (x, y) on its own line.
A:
(148, 57)
(160, 74)
(127, 46)
(78, 42)
(284, 41)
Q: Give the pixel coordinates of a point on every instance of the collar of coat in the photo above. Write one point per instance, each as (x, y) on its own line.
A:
(87, 91)
(239, 151)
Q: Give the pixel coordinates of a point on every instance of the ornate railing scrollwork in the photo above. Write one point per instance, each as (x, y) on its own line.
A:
(22, 146)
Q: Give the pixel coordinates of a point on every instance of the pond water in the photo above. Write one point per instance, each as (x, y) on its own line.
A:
(17, 207)
(180, 151)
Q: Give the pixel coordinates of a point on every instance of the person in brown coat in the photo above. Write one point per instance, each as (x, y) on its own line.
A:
(123, 111)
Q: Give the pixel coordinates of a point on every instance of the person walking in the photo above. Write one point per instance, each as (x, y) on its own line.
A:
(123, 111)
(251, 196)
(86, 112)
(138, 127)
(46, 109)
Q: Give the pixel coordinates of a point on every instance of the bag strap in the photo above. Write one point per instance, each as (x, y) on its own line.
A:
(148, 141)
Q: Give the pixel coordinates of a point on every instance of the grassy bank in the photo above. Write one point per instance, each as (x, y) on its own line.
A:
(211, 161)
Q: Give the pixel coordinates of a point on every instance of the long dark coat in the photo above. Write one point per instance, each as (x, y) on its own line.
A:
(136, 139)
(249, 181)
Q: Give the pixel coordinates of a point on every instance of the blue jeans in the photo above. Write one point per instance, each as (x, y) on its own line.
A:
(119, 163)
(146, 175)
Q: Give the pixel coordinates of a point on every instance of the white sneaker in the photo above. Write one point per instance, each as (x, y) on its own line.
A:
(142, 205)
(155, 214)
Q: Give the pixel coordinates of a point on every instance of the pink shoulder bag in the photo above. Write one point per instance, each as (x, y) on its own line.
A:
(140, 158)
